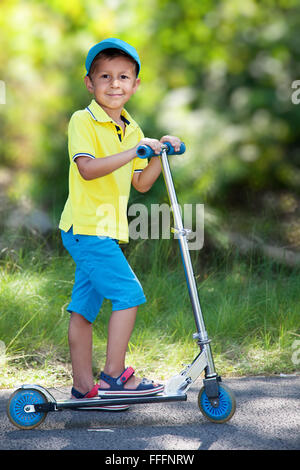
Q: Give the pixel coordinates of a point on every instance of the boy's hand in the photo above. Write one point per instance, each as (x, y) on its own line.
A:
(153, 143)
(174, 141)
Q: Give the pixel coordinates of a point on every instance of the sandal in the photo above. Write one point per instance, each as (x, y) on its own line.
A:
(146, 387)
(94, 394)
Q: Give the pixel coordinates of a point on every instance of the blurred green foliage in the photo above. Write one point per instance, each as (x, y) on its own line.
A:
(218, 73)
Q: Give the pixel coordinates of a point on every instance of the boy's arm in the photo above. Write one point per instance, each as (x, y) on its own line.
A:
(91, 168)
(144, 180)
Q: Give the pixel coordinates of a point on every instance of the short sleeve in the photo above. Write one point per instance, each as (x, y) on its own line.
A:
(139, 164)
(80, 137)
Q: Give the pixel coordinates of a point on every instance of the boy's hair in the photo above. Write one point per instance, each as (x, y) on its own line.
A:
(110, 54)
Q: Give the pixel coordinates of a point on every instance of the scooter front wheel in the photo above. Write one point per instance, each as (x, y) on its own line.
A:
(19, 408)
(225, 408)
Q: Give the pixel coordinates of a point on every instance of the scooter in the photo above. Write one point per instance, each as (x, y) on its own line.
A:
(29, 405)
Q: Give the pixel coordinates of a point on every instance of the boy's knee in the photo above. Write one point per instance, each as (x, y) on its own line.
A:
(77, 318)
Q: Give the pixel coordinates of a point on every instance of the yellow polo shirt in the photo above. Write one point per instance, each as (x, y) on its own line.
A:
(99, 206)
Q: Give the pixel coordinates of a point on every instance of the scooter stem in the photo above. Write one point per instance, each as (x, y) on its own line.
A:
(181, 232)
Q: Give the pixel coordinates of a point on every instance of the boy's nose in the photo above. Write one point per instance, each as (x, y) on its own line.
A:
(115, 82)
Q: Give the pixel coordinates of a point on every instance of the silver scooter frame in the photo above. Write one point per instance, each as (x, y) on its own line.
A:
(204, 360)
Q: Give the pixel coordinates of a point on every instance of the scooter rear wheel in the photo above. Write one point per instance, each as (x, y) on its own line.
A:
(225, 409)
(18, 408)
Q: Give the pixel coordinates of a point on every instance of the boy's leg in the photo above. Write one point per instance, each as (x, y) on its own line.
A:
(80, 342)
(120, 327)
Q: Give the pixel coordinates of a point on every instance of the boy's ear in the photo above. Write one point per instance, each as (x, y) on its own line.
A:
(89, 84)
(137, 84)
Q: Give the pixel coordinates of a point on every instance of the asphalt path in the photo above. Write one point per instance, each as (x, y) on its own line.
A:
(267, 418)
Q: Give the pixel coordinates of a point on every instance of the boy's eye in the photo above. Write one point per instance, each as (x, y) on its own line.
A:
(124, 77)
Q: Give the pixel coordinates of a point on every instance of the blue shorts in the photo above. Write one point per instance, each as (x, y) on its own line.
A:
(102, 272)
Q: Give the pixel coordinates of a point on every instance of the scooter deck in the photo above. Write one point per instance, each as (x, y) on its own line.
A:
(94, 402)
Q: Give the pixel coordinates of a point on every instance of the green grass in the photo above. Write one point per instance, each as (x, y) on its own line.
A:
(250, 305)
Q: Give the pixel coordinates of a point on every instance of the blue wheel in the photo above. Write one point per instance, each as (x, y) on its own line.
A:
(18, 408)
(225, 408)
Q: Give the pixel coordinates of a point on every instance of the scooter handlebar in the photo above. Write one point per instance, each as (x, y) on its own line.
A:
(144, 151)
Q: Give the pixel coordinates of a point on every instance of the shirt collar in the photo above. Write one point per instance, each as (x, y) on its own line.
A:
(99, 115)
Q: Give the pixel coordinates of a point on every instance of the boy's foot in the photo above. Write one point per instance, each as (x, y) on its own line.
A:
(125, 386)
(94, 394)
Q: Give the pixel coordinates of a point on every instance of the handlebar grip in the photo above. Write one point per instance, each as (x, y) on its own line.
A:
(144, 151)
(171, 151)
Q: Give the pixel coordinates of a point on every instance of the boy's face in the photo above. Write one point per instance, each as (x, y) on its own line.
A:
(113, 83)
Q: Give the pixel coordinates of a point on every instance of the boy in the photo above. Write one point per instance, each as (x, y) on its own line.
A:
(103, 139)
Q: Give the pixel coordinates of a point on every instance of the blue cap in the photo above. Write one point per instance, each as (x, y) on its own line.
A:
(115, 44)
